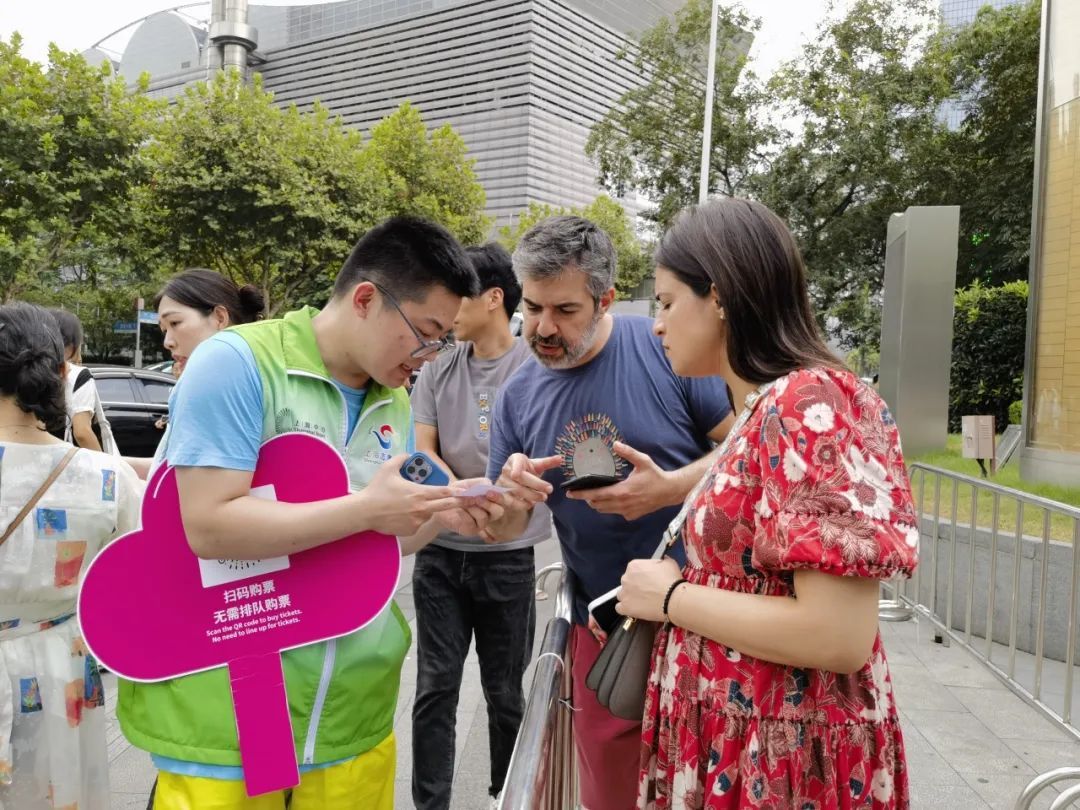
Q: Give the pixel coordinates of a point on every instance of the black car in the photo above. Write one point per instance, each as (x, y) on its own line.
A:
(136, 403)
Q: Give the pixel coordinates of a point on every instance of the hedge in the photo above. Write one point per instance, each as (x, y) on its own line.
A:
(989, 325)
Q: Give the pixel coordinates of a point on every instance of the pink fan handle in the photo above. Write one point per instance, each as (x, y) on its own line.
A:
(263, 726)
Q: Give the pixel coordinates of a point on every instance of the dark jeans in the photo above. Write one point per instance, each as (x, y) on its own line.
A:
(489, 594)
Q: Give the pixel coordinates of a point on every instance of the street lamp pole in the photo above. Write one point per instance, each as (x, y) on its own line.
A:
(706, 134)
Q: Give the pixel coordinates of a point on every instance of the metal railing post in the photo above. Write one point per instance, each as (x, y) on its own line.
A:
(1070, 642)
(542, 770)
(992, 597)
(1041, 782)
(926, 604)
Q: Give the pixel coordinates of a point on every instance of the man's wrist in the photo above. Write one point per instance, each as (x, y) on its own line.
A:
(675, 486)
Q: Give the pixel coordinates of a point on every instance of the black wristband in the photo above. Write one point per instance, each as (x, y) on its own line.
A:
(670, 591)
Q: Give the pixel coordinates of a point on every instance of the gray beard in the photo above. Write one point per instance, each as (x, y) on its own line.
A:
(571, 354)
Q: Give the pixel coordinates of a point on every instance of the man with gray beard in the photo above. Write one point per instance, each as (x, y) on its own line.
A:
(598, 398)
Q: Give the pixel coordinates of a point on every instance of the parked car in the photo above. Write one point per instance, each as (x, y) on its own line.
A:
(165, 367)
(136, 403)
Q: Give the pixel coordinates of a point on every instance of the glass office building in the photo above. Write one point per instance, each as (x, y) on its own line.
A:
(955, 13)
(522, 81)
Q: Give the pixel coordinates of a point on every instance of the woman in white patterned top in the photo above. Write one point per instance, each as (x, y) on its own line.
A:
(52, 725)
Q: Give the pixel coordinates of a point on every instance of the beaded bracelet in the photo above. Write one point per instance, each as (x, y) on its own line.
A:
(670, 591)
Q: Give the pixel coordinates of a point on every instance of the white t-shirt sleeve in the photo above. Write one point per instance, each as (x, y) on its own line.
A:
(84, 399)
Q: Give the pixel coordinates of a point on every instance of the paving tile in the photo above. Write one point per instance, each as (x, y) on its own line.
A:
(954, 666)
(931, 769)
(945, 797)
(402, 791)
(925, 765)
(1044, 755)
(916, 688)
(132, 772)
(966, 744)
(1006, 715)
(127, 801)
(1001, 791)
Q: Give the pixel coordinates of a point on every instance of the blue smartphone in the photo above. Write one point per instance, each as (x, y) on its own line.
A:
(420, 469)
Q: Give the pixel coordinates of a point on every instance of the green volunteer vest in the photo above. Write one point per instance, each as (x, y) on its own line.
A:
(342, 693)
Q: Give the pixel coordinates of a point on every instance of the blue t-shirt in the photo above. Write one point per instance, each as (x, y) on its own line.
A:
(629, 393)
(212, 424)
(216, 420)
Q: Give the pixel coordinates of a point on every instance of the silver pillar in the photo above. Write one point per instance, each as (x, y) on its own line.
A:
(917, 323)
(231, 38)
(213, 52)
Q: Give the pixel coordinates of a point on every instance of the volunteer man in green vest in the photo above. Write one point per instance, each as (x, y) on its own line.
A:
(337, 373)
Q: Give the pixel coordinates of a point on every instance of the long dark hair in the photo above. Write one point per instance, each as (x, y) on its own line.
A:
(747, 252)
(204, 289)
(31, 357)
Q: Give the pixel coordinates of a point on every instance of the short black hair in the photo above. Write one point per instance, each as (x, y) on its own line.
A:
(494, 268)
(408, 255)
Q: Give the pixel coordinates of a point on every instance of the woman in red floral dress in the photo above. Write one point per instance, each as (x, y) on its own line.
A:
(769, 686)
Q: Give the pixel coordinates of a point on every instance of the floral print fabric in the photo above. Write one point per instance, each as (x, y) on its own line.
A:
(815, 479)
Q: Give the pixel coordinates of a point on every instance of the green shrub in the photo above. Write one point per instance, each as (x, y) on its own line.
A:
(989, 325)
(1016, 412)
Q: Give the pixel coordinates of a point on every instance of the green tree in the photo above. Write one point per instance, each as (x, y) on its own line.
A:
(862, 110)
(277, 197)
(70, 139)
(99, 308)
(650, 141)
(634, 259)
(987, 165)
(260, 194)
(427, 174)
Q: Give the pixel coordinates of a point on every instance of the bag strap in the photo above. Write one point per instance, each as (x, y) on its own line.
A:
(671, 533)
(19, 518)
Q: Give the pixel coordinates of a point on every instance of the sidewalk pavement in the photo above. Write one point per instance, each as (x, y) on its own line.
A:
(971, 743)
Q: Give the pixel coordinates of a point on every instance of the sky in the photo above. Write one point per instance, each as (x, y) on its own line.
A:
(78, 24)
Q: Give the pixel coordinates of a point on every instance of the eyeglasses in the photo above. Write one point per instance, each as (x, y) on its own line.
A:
(428, 348)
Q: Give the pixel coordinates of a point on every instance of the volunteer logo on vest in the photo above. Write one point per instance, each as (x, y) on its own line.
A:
(385, 436)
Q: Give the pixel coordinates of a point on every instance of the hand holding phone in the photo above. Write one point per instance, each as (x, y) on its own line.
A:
(602, 611)
(420, 469)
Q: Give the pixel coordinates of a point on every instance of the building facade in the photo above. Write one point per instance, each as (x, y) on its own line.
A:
(1052, 368)
(956, 13)
(522, 81)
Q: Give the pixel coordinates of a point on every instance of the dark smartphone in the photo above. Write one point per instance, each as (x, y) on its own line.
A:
(592, 481)
(606, 616)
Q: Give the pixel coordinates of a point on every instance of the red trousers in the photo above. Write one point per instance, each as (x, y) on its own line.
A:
(608, 748)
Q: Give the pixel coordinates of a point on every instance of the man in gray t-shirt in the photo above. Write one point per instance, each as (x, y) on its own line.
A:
(461, 585)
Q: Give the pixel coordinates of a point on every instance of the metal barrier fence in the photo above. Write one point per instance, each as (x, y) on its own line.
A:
(999, 574)
(543, 769)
